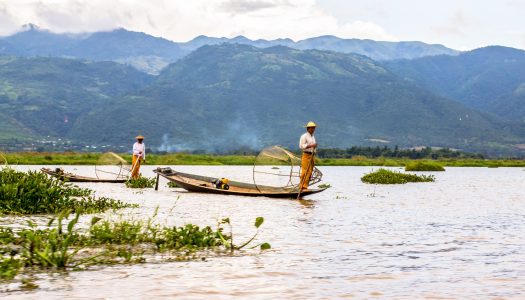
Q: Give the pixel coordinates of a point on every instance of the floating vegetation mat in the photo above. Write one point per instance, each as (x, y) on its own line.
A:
(63, 246)
(35, 193)
(141, 182)
(384, 176)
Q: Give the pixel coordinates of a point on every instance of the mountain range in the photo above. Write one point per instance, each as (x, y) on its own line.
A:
(222, 95)
(490, 79)
(151, 54)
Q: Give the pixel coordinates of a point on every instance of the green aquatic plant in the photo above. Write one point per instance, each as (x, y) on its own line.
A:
(34, 193)
(172, 184)
(54, 247)
(62, 245)
(141, 182)
(9, 267)
(384, 176)
(227, 240)
(424, 166)
(324, 186)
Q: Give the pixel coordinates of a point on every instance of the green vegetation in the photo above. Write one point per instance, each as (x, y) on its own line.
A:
(481, 79)
(141, 182)
(74, 158)
(44, 96)
(387, 152)
(172, 184)
(34, 193)
(62, 245)
(384, 176)
(424, 166)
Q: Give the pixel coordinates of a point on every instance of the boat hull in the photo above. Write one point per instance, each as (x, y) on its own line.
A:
(76, 178)
(202, 184)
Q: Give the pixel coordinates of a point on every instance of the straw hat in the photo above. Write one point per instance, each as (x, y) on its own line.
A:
(139, 137)
(310, 124)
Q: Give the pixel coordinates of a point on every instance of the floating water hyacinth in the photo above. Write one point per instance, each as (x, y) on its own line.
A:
(384, 176)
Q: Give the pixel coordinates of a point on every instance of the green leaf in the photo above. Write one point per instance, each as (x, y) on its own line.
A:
(265, 246)
(94, 220)
(259, 221)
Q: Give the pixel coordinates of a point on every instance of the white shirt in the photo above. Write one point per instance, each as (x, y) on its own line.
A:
(306, 140)
(137, 148)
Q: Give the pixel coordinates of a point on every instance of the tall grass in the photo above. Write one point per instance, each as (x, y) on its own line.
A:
(424, 166)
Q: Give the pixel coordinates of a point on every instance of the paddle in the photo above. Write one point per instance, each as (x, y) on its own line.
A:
(310, 164)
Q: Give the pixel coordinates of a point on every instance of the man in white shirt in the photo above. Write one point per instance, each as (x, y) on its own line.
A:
(139, 155)
(308, 145)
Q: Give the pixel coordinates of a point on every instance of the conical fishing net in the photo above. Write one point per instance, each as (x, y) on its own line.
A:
(278, 167)
(112, 166)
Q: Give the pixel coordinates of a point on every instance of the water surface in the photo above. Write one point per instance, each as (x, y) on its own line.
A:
(460, 237)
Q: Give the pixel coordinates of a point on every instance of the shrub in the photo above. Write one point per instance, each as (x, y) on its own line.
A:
(383, 176)
(424, 166)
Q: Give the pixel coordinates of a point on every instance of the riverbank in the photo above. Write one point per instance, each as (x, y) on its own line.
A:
(75, 158)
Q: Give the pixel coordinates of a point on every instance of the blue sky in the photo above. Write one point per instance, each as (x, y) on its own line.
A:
(459, 24)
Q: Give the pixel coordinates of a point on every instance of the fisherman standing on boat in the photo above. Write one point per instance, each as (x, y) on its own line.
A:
(139, 155)
(308, 145)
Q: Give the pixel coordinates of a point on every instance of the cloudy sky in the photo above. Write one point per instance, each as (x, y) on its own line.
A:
(459, 24)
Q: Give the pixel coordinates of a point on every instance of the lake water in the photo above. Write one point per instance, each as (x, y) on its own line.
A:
(460, 237)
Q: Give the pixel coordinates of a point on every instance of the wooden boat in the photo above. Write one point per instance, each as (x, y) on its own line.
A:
(203, 184)
(59, 173)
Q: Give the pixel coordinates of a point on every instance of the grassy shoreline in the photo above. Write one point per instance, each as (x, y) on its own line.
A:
(75, 158)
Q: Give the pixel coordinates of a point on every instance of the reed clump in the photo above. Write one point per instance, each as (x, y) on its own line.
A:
(384, 176)
(35, 193)
(424, 166)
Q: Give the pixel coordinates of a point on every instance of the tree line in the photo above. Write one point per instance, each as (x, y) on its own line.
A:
(396, 152)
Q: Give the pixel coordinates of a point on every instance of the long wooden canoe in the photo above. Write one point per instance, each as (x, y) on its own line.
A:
(203, 184)
(59, 173)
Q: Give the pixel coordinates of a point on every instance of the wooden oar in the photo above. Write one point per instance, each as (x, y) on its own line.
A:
(310, 164)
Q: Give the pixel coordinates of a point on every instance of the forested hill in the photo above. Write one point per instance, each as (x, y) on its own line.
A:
(233, 95)
(490, 79)
(237, 95)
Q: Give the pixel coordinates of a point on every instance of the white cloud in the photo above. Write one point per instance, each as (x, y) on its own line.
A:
(455, 25)
(182, 20)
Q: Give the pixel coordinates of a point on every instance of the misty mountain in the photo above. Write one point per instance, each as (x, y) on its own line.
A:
(151, 54)
(45, 96)
(376, 50)
(490, 79)
(230, 95)
(138, 49)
